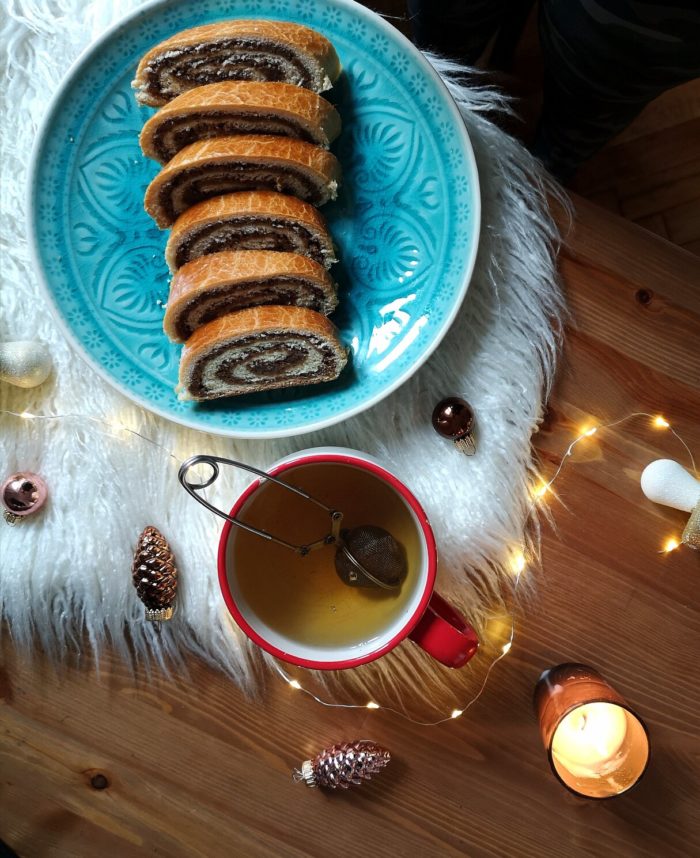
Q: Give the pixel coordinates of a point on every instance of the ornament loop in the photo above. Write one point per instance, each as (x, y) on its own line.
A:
(192, 488)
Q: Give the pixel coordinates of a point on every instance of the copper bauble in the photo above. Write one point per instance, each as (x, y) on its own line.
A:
(22, 494)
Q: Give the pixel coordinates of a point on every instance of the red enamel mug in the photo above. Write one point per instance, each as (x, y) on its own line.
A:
(425, 617)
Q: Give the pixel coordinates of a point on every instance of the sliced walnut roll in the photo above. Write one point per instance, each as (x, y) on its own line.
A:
(260, 349)
(239, 107)
(214, 285)
(250, 220)
(221, 165)
(236, 50)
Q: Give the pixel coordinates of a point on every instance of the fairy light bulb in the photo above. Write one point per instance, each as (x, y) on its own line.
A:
(456, 713)
(518, 563)
(661, 422)
(372, 705)
(295, 684)
(670, 545)
(541, 490)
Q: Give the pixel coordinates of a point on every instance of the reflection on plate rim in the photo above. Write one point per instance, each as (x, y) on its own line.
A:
(183, 420)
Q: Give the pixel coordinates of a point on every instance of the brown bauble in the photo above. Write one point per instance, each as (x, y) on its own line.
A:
(453, 418)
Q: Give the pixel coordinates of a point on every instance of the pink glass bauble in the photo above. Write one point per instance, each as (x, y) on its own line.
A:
(23, 494)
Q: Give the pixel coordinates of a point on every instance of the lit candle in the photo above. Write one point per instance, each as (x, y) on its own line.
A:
(589, 738)
(597, 746)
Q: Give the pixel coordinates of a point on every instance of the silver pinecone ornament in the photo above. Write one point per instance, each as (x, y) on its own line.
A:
(342, 765)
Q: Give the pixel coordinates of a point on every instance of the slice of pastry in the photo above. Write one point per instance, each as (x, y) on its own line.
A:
(239, 107)
(218, 166)
(214, 285)
(250, 220)
(236, 50)
(262, 348)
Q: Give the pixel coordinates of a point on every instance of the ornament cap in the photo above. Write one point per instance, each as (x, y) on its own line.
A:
(307, 774)
(466, 444)
(157, 615)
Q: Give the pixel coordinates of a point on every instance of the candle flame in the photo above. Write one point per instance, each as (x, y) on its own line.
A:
(589, 740)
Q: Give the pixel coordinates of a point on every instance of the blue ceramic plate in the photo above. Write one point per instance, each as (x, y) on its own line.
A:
(406, 221)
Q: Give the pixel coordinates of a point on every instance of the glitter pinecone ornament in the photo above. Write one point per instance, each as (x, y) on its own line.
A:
(342, 765)
(154, 574)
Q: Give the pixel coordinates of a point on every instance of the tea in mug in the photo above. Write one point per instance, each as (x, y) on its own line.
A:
(302, 598)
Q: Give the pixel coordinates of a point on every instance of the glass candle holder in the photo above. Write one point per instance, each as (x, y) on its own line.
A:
(597, 746)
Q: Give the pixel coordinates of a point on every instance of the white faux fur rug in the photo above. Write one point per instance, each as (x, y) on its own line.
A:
(65, 577)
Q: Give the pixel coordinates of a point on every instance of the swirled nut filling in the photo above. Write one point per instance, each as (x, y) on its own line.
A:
(280, 360)
(227, 59)
(176, 133)
(280, 291)
(188, 187)
(252, 233)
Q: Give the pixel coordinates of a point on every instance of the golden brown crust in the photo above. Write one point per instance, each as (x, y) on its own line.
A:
(245, 204)
(231, 268)
(258, 320)
(302, 39)
(254, 149)
(311, 113)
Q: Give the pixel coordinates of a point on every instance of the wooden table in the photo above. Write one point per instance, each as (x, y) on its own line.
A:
(118, 767)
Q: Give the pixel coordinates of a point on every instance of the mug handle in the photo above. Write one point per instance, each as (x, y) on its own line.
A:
(444, 633)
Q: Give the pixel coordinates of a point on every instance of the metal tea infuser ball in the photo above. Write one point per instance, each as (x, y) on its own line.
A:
(366, 556)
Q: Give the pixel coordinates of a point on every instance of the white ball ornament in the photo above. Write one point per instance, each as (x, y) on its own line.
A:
(24, 363)
(667, 482)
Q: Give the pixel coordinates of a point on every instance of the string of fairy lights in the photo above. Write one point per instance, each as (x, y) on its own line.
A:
(519, 560)
(519, 564)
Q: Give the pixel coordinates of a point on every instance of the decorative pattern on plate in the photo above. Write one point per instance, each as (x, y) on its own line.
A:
(406, 221)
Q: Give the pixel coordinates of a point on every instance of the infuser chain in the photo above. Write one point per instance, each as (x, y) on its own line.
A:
(213, 461)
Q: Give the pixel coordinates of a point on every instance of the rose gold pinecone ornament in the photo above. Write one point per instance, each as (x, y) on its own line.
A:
(154, 574)
(342, 765)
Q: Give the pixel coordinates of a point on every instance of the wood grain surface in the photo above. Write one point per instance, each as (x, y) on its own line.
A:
(108, 764)
(650, 173)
